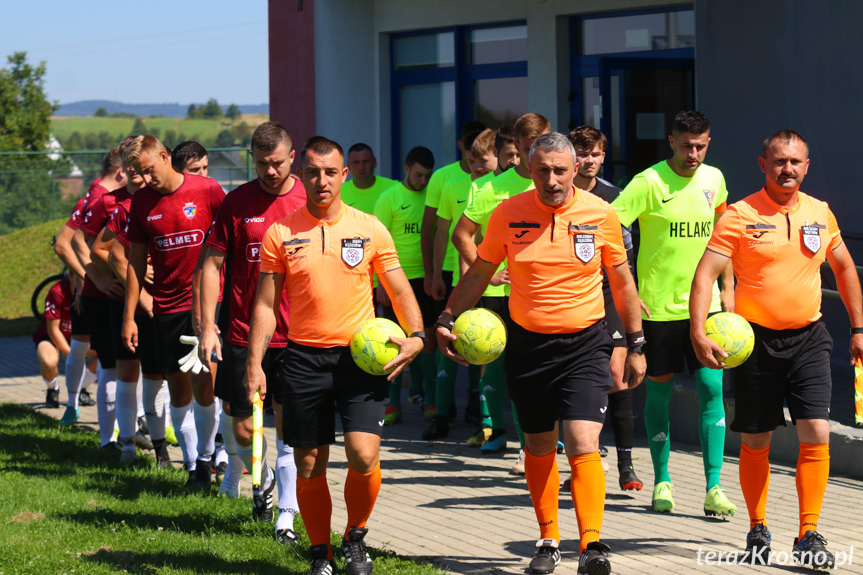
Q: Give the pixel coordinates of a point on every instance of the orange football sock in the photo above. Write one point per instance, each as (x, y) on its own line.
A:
(361, 492)
(316, 509)
(588, 495)
(813, 469)
(543, 482)
(754, 481)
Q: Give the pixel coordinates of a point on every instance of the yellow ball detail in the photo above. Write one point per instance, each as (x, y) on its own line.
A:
(733, 334)
(481, 336)
(371, 347)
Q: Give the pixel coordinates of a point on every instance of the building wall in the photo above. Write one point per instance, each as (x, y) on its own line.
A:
(352, 56)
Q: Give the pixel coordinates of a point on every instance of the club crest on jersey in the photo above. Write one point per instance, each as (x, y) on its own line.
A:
(710, 194)
(812, 238)
(189, 210)
(352, 251)
(584, 246)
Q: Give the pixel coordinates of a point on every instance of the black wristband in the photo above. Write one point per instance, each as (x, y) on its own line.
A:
(445, 320)
(856, 330)
(636, 349)
(635, 339)
(419, 334)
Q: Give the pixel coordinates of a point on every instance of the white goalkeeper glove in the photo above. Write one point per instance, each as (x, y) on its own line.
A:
(191, 361)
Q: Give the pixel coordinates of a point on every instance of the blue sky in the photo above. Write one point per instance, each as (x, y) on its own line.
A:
(156, 51)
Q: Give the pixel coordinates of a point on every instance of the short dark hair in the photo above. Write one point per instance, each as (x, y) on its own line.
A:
(320, 146)
(785, 136)
(269, 135)
(111, 162)
(505, 136)
(586, 138)
(187, 151)
(360, 147)
(422, 156)
(471, 128)
(690, 121)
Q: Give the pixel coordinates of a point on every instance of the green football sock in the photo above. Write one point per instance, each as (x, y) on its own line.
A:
(483, 407)
(474, 374)
(494, 391)
(517, 425)
(658, 430)
(396, 391)
(711, 422)
(416, 381)
(443, 391)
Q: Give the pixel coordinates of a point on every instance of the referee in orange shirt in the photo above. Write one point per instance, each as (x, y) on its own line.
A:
(557, 239)
(777, 239)
(322, 256)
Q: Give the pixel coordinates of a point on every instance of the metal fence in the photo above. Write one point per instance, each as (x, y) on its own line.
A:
(37, 187)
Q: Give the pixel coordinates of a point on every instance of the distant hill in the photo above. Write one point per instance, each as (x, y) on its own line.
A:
(88, 107)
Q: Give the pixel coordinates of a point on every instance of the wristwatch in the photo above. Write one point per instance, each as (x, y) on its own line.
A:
(856, 330)
(419, 334)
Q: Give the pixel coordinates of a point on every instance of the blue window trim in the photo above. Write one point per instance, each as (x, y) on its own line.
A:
(462, 73)
(589, 66)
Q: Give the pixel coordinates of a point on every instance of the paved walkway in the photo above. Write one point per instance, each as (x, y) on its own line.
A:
(447, 503)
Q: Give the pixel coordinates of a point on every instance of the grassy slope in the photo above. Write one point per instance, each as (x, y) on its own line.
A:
(121, 127)
(26, 258)
(66, 506)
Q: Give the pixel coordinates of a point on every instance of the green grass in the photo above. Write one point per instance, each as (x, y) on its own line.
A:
(68, 507)
(62, 127)
(26, 258)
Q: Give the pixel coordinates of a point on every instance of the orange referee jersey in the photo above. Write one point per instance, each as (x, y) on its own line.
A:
(777, 252)
(328, 271)
(555, 258)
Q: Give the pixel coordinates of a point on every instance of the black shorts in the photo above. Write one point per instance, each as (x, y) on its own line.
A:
(313, 380)
(80, 326)
(169, 327)
(554, 376)
(426, 304)
(613, 323)
(98, 313)
(439, 306)
(232, 371)
(669, 348)
(41, 338)
(146, 351)
(792, 366)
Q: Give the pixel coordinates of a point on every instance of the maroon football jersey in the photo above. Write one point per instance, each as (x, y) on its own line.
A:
(174, 226)
(95, 190)
(58, 305)
(245, 215)
(96, 215)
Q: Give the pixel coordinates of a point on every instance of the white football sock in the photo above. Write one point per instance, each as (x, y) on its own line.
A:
(139, 397)
(167, 394)
(206, 422)
(286, 477)
(153, 398)
(127, 397)
(187, 436)
(245, 453)
(106, 395)
(231, 482)
(75, 369)
(52, 383)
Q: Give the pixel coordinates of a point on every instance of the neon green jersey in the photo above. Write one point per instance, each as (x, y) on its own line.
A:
(440, 178)
(483, 203)
(364, 200)
(401, 211)
(675, 216)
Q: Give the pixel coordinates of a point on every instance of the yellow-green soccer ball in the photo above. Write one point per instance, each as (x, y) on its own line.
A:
(371, 347)
(733, 334)
(481, 336)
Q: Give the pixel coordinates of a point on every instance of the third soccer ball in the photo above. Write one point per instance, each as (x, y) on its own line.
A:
(481, 336)
(371, 347)
(733, 334)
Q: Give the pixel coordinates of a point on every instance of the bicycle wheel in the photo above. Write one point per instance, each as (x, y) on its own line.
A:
(36, 300)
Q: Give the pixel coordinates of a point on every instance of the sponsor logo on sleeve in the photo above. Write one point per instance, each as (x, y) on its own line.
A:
(179, 240)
